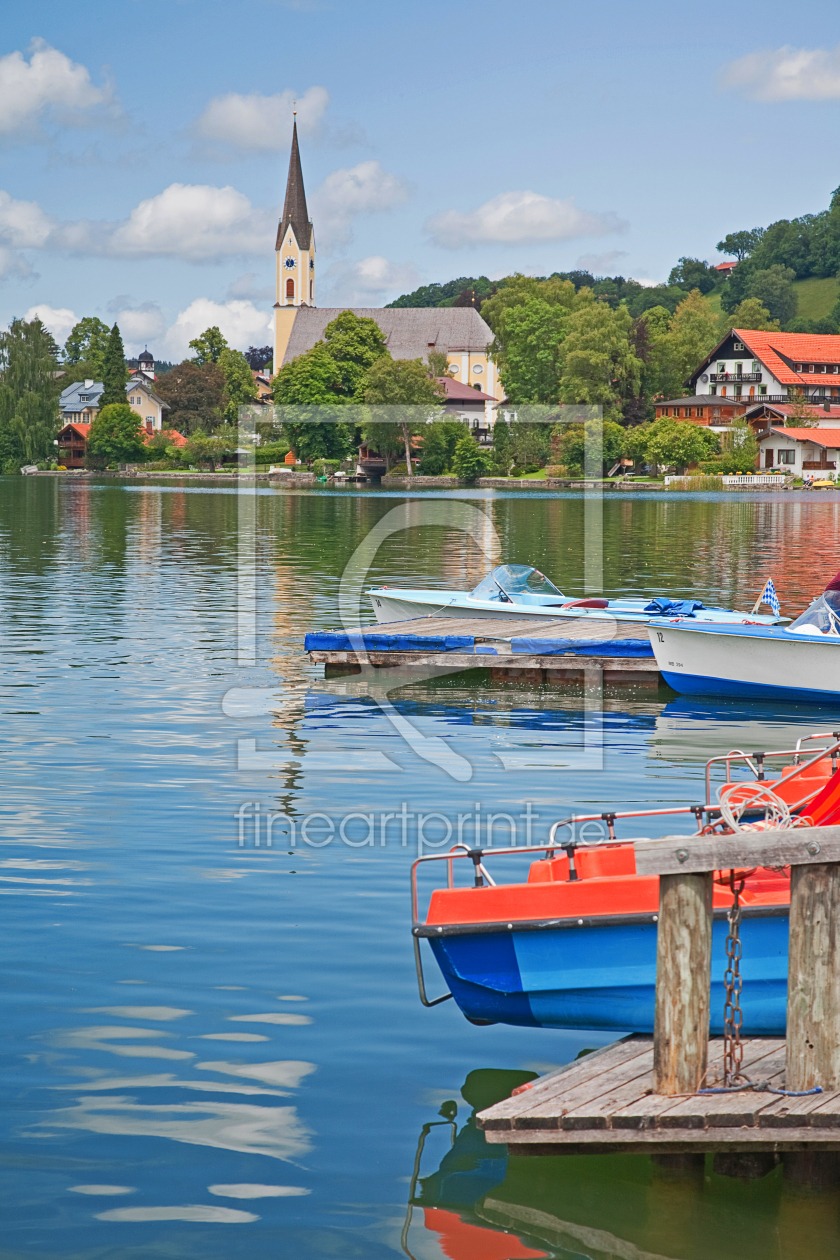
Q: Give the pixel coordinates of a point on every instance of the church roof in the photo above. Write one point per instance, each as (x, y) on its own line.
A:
(410, 332)
(294, 207)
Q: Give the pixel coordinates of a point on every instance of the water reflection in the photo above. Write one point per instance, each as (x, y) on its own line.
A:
(481, 1203)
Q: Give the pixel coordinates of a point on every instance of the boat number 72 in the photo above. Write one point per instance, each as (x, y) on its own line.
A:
(660, 636)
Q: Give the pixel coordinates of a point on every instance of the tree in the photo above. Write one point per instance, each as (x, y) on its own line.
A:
(439, 441)
(774, 289)
(438, 363)
(740, 244)
(801, 414)
(354, 343)
(116, 435)
(87, 344)
(660, 375)
(599, 365)
(530, 443)
(208, 347)
(259, 357)
(114, 374)
(203, 448)
(692, 273)
(239, 383)
(748, 314)
(447, 294)
(528, 353)
(678, 443)
(195, 396)
(503, 456)
(404, 386)
(739, 447)
(577, 446)
(693, 333)
(468, 461)
(28, 392)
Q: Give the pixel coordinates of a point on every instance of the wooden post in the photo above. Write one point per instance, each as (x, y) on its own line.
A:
(683, 978)
(813, 1012)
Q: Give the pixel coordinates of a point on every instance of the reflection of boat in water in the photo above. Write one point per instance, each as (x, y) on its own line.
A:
(521, 591)
(470, 1169)
(573, 945)
(482, 1205)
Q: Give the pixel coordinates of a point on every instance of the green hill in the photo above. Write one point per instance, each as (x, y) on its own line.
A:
(817, 296)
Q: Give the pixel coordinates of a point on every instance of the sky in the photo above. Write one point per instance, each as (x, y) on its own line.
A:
(144, 146)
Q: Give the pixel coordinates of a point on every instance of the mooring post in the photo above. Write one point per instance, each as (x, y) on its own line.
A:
(813, 1010)
(683, 980)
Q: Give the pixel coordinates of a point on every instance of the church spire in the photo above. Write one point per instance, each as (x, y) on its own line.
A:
(295, 213)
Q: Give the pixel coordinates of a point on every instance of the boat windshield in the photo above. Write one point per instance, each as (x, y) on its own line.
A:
(820, 617)
(515, 579)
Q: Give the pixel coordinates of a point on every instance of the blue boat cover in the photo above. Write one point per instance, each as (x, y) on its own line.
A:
(664, 607)
(381, 641)
(582, 647)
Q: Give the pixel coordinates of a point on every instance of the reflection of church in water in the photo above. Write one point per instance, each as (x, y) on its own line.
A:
(410, 333)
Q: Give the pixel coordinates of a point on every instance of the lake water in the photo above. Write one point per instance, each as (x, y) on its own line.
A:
(214, 1049)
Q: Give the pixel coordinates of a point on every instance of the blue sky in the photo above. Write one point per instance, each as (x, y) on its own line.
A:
(145, 145)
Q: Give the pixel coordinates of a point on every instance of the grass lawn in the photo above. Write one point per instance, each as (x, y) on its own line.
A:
(816, 296)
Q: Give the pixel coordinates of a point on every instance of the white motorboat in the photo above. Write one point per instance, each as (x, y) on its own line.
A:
(767, 662)
(522, 592)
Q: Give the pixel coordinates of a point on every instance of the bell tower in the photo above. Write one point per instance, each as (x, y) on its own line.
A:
(294, 256)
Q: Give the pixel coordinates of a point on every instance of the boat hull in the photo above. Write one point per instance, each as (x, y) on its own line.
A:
(604, 976)
(747, 661)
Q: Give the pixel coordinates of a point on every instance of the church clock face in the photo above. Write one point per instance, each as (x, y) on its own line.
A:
(311, 264)
(289, 264)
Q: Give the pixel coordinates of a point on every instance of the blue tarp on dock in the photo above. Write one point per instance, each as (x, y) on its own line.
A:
(379, 641)
(581, 647)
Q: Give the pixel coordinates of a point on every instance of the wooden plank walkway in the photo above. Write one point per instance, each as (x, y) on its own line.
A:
(605, 1101)
(494, 640)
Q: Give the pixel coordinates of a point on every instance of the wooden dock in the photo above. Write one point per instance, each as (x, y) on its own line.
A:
(576, 649)
(606, 1101)
(647, 1094)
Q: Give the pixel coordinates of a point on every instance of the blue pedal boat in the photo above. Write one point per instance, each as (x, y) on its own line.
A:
(574, 944)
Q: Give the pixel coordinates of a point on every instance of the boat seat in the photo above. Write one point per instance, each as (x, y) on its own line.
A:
(588, 603)
(590, 863)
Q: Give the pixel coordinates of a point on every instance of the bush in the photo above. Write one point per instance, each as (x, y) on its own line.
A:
(555, 470)
(469, 461)
(325, 467)
(271, 452)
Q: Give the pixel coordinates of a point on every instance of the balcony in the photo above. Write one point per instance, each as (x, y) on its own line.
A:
(722, 377)
(815, 465)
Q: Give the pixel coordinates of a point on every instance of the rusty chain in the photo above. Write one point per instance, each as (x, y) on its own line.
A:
(733, 1048)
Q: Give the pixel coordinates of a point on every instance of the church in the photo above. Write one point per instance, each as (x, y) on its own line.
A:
(410, 333)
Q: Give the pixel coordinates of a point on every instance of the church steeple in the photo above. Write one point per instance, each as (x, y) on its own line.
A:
(295, 247)
(295, 214)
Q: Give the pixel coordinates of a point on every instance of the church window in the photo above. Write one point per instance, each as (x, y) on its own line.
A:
(290, 288)
(478, 369)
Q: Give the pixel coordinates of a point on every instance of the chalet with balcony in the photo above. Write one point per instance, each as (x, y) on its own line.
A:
(805, 453)
(751, 366)
(712, 412)
(765, 416)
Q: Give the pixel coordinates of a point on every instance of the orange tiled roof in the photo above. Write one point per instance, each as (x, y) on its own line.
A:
(175, 438)
(81, 429)
(820, 437)
(800, 347)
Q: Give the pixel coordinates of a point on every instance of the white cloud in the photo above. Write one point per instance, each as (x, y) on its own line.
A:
(49, 84)
(240, 322)
(139, 324)
(196, 222)
(260, 123)
(519, 218)
(14, 266)
(369, 281)
(57, 321)
(23, 223)
(786, 74)
(249, 288)
(600, 264)
(347, 193)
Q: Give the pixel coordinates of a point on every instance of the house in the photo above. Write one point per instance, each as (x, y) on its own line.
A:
(764, 416)
(80, 401)
(72, 442)
(715, 413)
(148, 405)
(410, 333)
(752, 365)
(725, 269)
(802, 452)
(262, 384)
(142, 366)
(475, 408)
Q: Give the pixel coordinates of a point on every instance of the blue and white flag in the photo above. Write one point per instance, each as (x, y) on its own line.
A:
(769, 597)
